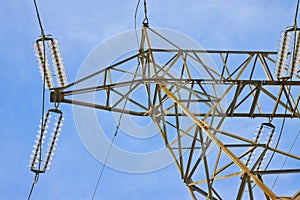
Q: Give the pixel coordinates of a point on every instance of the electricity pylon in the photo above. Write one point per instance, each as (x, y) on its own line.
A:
(243, 86)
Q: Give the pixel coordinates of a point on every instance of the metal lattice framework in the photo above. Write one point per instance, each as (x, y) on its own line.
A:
(189, 97)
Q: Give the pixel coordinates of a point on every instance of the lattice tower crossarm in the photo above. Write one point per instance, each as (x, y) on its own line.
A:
(242, 85)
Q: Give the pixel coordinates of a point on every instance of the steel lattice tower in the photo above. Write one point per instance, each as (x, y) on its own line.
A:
(206, 154)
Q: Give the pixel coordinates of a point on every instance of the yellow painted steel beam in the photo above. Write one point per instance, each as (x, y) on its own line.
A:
(204, 127)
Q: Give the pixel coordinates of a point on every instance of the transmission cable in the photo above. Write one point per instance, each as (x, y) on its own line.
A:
(107, 154)
(282, 166)
(289, 88)
(296, 15)
(38, 17)
(113, 139)
(279, 136)
(145, 21)
(135, 28)
(36, 177)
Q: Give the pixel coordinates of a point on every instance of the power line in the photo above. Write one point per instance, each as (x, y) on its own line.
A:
(145, 21)
(44, 75)
(38, 17)
(279, 137)
(282, 166)
(36, 177)
(296, 14)
(289, 91)
(113, 139)
(106, 158)
(121, 115)
(135, 15)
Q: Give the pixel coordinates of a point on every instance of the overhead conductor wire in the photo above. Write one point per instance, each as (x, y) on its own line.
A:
(289, 90)
(121, 115)
(135, 14)
(145, 21)
(283, 164)
(284, 118)
(36, 177)
(113, 139)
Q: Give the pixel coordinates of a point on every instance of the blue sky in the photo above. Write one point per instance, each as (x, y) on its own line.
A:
(80, 26)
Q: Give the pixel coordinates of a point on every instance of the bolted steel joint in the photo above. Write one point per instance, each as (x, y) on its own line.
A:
(56, 96)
